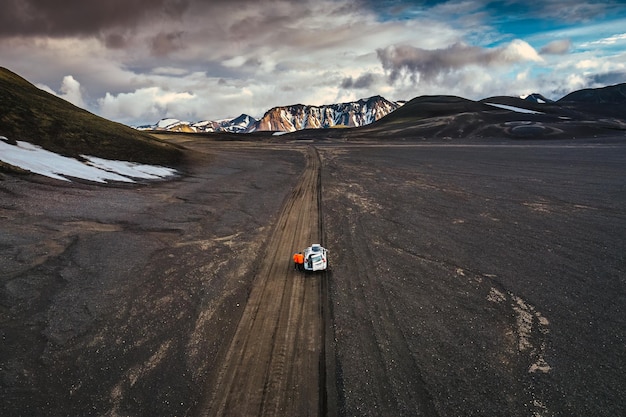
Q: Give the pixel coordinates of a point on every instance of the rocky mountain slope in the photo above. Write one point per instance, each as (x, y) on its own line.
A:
(290, 118)
(299, 116)
(240, 124)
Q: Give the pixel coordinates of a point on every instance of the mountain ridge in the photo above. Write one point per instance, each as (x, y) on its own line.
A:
(290, 118)
(446, 117)
(349, 114)
(366, 111)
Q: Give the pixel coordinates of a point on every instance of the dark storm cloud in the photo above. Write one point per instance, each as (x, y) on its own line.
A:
(115, 41)
(363, 81)
(609, 78)
(57, 18)
(80, 17)
(559, 47)
(429, 64)
(164, 43)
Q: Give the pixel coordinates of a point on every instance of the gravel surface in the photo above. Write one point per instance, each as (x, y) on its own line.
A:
(466, 279)
(121, 300)
(478, 280)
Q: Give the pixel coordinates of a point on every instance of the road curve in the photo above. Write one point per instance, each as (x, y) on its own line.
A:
(275, 364)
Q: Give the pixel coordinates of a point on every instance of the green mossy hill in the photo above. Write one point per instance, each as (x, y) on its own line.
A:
(30, 114)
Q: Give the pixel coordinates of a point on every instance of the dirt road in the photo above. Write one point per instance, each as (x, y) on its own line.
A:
(177, 298)
(273, 364)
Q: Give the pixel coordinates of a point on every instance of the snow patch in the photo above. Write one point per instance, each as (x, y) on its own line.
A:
(40, 161)
(164, 123)
(513, 108)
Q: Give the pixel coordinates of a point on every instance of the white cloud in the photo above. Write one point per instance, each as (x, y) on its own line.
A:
(575, 82)
(586, 64)
(519, 50)
(71, 91)
(611, 40)
(150, 102)
(522, 76)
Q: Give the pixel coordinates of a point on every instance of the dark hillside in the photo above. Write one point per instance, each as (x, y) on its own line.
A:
(613, 94)
(434, 106)
(30, 114)
(451, 117)
(606, 101)
(547, 107)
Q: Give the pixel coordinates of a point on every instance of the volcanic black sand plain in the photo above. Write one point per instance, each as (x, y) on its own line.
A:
(467, 278)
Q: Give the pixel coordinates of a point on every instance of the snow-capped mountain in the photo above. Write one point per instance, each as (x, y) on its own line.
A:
(537, 98)
(300, 116)
(241, 124)
(290, 118)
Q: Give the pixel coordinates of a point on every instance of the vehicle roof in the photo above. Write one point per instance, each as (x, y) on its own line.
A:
(315, 248)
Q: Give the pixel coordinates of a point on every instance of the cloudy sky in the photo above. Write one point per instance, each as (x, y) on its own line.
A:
(137, 61)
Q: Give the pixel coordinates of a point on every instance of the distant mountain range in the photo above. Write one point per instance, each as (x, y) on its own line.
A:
(240, 124)
(290, 118)
(30, 114)
(605, 101)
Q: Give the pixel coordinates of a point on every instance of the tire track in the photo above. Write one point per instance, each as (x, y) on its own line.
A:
(275, 364)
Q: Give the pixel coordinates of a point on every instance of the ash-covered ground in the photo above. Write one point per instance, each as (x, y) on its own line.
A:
(467, 278)
(477, 279)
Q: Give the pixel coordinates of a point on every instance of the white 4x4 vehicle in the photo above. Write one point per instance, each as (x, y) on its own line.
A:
(315, 258)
